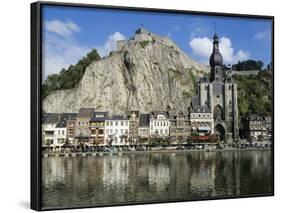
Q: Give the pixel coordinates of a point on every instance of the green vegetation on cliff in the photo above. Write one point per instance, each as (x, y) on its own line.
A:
(69, 78)
(248, 65)
(254, 93)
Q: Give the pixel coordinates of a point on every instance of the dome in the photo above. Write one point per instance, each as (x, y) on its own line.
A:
(216, 59)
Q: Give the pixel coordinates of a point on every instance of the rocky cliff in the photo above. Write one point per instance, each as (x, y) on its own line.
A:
(148, 72)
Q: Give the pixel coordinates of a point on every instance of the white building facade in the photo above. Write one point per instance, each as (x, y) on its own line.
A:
(159, 124)
(117, 131)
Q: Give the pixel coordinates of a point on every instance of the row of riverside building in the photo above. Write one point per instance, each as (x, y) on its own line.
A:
(96, 128)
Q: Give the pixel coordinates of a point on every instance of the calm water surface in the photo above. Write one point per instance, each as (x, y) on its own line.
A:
(144, 177)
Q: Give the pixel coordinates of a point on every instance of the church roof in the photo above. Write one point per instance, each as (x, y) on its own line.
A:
(216, 58)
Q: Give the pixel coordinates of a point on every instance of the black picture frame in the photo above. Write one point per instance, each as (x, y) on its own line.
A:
(36, 97)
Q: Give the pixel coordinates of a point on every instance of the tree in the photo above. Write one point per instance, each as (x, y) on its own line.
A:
(69, 78)
(248, 65)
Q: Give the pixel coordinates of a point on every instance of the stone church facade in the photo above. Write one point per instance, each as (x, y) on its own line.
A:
(219, 94)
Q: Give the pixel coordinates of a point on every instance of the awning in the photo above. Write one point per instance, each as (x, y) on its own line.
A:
(204, 128)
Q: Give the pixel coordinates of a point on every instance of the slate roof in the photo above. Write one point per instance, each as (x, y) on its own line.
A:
(99, 116)
(154, 114)
(64, 117)
(85, 112)
(174, 114)
(50, 118)
(117, 117)
(144, 120)
(62, 121)
(71, 116)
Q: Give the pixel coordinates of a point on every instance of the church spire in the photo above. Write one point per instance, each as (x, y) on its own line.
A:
(216, 60)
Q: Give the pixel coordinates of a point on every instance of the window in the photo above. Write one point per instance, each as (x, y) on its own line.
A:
(121, 131)
(111, 123)
(58, 131)
(111, 131)
(116, 131)
(100, 131)
(126, 123)
(93, 132)
(62, 132)
(122, 123)
(116, 123)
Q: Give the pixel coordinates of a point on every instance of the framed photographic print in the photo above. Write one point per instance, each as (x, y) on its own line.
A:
(141, 105)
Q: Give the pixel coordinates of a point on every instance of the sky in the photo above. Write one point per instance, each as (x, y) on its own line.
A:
(70, 32)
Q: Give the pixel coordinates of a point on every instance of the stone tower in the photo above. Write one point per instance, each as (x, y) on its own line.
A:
(219, 93)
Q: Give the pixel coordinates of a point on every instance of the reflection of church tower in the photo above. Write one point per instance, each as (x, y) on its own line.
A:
(219, 94)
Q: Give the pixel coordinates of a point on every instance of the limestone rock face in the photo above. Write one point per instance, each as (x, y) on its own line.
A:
(148, 72)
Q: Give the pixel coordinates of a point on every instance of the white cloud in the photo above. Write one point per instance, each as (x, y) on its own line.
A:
(202, 48)
(110, 44)
(263, 36)
(61, 48)
(61, 28)
(60, 53)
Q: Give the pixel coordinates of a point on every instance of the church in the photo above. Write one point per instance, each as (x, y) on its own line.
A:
(218, 94)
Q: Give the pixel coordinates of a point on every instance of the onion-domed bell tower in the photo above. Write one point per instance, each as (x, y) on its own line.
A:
(216, 61)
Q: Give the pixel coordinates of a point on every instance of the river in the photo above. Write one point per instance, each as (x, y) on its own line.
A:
(153, 177)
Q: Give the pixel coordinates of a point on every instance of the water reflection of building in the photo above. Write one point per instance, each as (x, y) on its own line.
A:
(159, 176)
(203, 173)
(115, 171)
